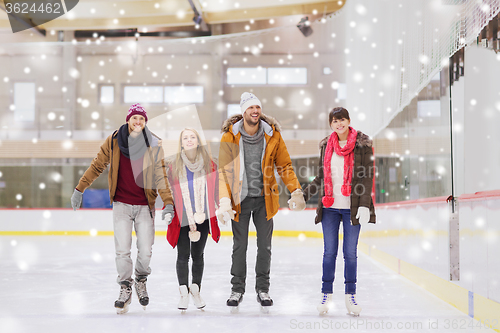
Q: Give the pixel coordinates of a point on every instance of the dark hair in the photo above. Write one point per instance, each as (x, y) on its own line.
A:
(338, 113)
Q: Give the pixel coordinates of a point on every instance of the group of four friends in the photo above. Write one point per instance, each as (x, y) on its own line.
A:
(199, 192)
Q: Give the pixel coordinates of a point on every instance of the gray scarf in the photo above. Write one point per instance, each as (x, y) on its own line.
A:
(252, 139)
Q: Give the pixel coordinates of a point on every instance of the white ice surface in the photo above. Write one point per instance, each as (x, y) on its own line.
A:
(67, 284)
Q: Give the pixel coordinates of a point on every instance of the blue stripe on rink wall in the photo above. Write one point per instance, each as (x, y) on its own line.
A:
(471, 304)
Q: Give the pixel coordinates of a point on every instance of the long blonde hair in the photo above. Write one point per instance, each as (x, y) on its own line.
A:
(179, 163)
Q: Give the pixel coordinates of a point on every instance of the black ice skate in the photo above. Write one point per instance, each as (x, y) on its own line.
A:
(124, 299)
(234, 301)
(264, 300)
(142, 293)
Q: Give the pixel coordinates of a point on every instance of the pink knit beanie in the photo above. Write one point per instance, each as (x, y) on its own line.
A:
(136, 109)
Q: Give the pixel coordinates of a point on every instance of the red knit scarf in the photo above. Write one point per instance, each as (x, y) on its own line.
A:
(348, 152)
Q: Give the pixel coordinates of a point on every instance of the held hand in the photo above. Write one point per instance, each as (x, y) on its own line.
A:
(225, 213)
(297, 202)
(363, 215)
(167, 214)
(76, 199)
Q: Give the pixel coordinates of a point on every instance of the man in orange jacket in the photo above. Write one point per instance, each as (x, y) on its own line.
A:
(250, 151)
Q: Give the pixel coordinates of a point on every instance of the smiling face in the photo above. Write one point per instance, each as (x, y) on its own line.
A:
(341, 127)
(189, 140)
(136, 123)
(252, 115)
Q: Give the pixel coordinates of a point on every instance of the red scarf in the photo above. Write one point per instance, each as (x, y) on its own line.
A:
(348, 152)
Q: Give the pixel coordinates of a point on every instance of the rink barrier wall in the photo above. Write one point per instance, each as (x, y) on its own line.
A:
(280, 233)
(474, 305)
(98, 222)
(403, 225)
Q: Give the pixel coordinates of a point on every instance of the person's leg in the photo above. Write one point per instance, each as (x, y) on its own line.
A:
(264, 230)
(240, 244)
(145, 232)
(350, 248)
(197, 249)
(122, 227)
(330, 224)
(183, 249)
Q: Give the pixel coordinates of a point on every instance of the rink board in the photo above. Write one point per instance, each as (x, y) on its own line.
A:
(397, 230)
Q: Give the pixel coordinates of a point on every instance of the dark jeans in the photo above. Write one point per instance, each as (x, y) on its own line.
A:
(185, 248)
(331, 223)
(255, 207)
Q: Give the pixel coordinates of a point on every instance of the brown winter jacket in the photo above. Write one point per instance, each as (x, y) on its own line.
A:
(275, 154)
(154, 172)
(362, 179)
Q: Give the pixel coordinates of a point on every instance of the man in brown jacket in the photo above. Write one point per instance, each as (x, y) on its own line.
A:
(137, 175)
(250, 151)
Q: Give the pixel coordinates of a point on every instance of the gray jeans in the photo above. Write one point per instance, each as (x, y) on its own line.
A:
(139, 217)
(255, 207)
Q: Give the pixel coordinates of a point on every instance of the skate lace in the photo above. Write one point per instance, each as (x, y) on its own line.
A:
(264, 296)
(352, 300)
(141, 289)
(124, 294)
(235, 296)
(325, 297)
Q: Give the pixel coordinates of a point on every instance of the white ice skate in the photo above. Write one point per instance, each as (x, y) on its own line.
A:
(124, 299)
(326, 303)
(265, 301)
(142, 293)
(195, 292)
(184, 302)
(234, 301)
(353, 309)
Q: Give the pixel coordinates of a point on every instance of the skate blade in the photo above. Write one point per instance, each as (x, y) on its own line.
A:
(322, 309)
(235, 309)
(144, 307)
(353, 314)
(264, 309)
(122, 310)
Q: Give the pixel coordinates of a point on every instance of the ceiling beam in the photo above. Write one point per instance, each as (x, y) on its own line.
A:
(143, 14)
(123, 23)
(239, 15)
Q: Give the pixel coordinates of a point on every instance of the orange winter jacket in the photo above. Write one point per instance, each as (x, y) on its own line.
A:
(275, 157)
(154, 172)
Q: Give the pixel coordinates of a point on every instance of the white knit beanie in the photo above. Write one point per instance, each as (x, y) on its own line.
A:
(247, 100)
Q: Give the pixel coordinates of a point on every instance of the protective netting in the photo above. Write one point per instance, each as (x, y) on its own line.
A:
(394, 48)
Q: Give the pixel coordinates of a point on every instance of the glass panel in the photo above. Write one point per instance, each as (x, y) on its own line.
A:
(140, 94)
(24, 101)
(412, 153)
(288, 75)
(246, 75)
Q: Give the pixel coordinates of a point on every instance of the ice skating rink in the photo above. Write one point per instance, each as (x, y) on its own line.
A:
(67, 284)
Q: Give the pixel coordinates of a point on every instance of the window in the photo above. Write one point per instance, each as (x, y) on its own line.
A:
(287, 75)
(430, 108)
(342, 91)
(233, 109)
(184, 94)
(246, 75)
(24, 101)
(143, 94)
(107, 94)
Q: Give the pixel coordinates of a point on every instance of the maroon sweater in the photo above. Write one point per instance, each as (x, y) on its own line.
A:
(130, 189)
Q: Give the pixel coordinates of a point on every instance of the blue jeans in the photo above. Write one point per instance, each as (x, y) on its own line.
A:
(331, 223)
